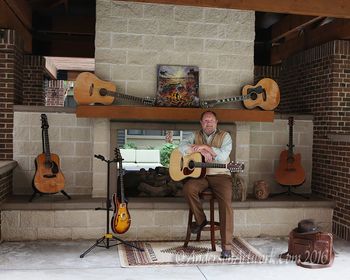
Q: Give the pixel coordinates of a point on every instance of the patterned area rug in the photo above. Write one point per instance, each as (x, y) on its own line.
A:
(173, 253)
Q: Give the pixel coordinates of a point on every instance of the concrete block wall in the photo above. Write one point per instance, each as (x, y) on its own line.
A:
(70, 138)
(152, 224)
(132, 38)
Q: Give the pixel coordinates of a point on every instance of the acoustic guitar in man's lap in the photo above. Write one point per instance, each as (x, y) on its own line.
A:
(193, 165)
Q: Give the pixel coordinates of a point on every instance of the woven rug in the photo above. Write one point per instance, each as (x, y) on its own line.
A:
(172, 253)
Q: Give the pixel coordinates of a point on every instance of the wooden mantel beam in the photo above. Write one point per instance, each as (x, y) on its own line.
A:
(170, 114)
(326, 8)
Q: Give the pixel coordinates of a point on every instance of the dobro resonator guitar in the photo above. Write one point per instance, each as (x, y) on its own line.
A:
(121, 220)
(48, 177)
(193, 165)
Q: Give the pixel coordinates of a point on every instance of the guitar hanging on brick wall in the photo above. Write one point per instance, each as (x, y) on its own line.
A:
(265, 94)
(48, 176)
(121, 220)
(289, 171)
(89, 89)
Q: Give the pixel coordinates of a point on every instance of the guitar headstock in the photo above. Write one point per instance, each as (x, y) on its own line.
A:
(149, 101)
(44, 122)
(207, 103)
(291, 121)
(235, 166)
(117, 155)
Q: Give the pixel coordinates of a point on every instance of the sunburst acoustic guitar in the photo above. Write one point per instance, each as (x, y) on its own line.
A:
(290, 171)
(48, 176)
(193, 165)
(89, 89)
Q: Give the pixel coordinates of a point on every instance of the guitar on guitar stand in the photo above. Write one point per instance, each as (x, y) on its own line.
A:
(289, 172)
(48, 178)
(107, 237)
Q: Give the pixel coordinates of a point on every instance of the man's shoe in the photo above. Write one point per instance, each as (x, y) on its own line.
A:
(225, 254)
(197, 228)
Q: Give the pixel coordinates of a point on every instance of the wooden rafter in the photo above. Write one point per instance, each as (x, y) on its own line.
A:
(335, 30)
(290, 24)
(334, 8)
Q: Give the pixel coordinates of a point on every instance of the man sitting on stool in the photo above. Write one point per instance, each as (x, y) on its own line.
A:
(215, 145)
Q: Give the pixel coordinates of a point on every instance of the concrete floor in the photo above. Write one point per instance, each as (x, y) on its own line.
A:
(60, 260)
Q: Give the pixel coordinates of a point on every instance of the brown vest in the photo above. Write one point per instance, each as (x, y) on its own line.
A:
(216, 142)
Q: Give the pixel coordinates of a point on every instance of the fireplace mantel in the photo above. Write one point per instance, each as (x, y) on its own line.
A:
(169, 114)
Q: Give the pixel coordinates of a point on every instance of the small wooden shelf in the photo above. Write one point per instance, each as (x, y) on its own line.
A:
(169, 114)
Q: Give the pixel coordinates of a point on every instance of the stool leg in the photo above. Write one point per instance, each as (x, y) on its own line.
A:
(212, 225)
(188, 234)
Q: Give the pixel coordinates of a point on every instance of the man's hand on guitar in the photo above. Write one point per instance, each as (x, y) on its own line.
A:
(207, 156)
(200, 148)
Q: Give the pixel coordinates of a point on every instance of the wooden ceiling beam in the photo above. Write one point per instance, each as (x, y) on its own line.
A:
(334, 8)
(290, 24)
(336, 30)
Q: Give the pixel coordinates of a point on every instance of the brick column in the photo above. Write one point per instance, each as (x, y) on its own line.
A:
(11, 58)
(33, 80)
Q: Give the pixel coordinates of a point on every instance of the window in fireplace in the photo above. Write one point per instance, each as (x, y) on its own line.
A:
(149, 179)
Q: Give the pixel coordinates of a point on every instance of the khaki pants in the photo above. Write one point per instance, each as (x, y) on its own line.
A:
(221, 186)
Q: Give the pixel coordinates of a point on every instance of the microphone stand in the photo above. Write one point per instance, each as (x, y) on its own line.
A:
(107, 237)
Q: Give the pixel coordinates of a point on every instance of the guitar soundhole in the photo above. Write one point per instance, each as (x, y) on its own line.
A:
(103, 92)
(253, 96)
(191, 164)
(48, 164)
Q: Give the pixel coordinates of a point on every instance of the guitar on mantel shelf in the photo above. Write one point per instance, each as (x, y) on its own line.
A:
(265, 94)
(193, 165)
(48, 176)
(289, 171)
(89, 89)
(121, 220)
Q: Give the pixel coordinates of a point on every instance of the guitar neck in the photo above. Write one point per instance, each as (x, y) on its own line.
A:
(46, 145)
(211, 103)
(147, 101)
(210, 165)
(290, 145)
(121, 180)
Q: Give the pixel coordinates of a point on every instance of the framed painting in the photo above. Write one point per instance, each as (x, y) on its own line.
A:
(177, 86)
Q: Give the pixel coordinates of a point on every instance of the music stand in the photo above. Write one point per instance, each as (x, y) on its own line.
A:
(107, 237)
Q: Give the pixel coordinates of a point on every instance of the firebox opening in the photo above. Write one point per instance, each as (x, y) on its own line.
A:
(146, 148)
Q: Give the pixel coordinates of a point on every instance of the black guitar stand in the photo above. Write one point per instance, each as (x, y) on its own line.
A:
(108, 237)
(35, 192)
(289, 192)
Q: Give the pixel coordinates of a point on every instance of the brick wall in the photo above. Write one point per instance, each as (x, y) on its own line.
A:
(317, 81)
(268, 71)
(55, 92)
(33, 80)
(11, 57)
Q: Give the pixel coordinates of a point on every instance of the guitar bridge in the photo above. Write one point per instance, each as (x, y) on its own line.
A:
(49, 176)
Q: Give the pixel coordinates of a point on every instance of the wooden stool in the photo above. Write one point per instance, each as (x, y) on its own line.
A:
(212, 226)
